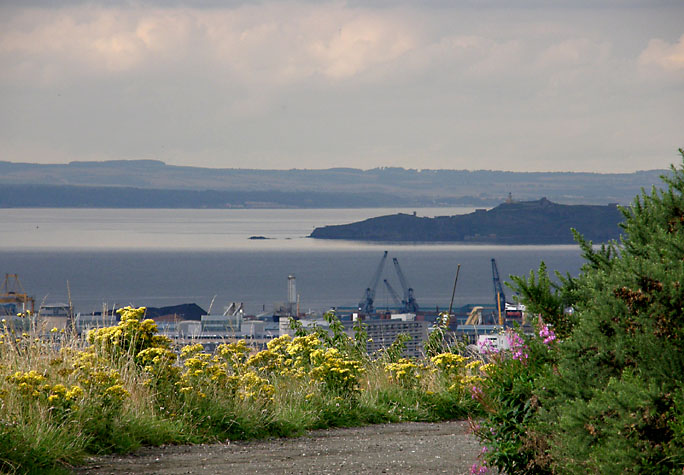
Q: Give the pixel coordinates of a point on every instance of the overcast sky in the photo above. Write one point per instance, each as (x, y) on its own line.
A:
(549, 85)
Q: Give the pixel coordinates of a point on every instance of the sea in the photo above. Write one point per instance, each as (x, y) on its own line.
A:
(161, 257)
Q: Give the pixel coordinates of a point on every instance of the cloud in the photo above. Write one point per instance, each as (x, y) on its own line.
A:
(298, 83)
(275, 42)
(666, 56)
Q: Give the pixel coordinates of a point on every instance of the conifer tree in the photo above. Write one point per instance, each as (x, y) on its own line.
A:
(614, 400)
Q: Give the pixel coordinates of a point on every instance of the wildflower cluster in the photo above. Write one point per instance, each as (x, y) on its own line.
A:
(405, 372)
(517, 346)
(457, 372)
(102, 382)
(339, 374)
(132, 335)
(545, 332)
(223, 374)
(92, 389)
(486, 347)
(449, 364)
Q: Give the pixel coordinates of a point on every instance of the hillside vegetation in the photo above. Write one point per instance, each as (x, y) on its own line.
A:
(530, 222)
(154, 184)
(602, 389)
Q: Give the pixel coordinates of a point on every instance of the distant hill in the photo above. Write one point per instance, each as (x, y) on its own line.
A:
(151, 183)
(50, 196)
(530, 222)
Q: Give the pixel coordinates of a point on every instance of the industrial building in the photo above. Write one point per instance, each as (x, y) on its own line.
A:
(382, 333)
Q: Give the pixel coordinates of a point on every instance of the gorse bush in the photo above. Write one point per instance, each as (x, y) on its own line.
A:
(124, 386)
(604, 393)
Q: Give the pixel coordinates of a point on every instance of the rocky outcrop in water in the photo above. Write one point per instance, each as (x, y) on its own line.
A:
(528, 222)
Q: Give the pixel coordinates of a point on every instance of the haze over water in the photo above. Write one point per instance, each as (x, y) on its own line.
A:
(167, 257)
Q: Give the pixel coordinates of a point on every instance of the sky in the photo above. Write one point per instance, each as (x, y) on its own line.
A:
(524, 85)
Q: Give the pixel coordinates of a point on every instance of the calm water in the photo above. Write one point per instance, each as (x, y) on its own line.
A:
(167, 257)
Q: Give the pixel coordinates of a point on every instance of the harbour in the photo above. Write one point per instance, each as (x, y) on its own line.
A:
(70, 261)
(259, 279)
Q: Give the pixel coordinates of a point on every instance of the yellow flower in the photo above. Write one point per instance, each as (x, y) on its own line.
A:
(190, 350)
(117, 391)
(74, 393)
(474, 364)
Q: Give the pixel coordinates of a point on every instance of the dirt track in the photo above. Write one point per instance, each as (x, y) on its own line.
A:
(446, 447)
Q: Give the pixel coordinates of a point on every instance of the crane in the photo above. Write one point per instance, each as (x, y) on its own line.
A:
(366, 303)
(410, 304)
(475, 316)
(394, 294)
(13, 294)
(499, 296)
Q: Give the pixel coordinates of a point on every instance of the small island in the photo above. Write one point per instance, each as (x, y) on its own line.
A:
(526, 222)
(258, 238)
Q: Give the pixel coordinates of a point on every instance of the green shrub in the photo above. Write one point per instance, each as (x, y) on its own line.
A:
(607, 396)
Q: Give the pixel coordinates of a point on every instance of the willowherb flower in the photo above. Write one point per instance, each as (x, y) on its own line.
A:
(546, 333)
(487, 348)
(478, 469)
(517, 346)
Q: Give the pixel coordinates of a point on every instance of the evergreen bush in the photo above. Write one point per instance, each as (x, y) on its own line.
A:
(608, 396)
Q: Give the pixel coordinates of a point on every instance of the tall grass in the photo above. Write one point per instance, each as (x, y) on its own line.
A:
(65, 398)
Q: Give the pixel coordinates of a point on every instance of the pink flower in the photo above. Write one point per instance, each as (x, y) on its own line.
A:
(478, 469)
(517, 346)
(486, 347)
(545, 332)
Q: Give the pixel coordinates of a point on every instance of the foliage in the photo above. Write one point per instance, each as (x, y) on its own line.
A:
(506, 392)
(601, 391)
(394, 352)
(125, 386)
(435, 343)
(547, 298)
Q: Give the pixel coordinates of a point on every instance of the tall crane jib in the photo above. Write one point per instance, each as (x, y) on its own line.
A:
(394, 294)
(366, 304)
(499, 296)
(409, 303)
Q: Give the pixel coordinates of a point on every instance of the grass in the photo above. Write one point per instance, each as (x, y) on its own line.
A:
(124, 387)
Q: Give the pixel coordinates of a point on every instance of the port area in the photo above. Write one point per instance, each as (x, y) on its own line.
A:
(187, 324)
(466, 325)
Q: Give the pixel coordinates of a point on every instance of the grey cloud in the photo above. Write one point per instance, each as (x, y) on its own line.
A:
(479, 4)
(314, 86)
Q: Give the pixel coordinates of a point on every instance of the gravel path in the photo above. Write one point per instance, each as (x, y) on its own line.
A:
(410, 448)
